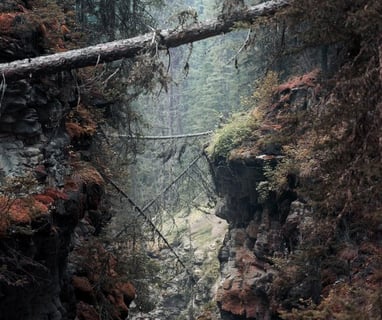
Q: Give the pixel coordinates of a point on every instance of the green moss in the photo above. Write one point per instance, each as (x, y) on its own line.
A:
(231, 136)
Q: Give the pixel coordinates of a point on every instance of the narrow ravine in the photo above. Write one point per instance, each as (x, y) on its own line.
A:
(232, 178)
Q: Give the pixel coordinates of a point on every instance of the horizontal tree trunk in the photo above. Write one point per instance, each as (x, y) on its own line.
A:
(179, 136)
(161, 39)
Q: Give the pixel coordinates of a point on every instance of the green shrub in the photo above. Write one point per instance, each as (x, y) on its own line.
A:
(230, 136)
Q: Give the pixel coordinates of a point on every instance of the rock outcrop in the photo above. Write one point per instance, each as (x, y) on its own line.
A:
(253, 239)
(304, 241)
(52, 199)
(265, 224)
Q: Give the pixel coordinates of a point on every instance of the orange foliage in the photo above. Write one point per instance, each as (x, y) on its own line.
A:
(82, 284)
(56, 194)
(81, 123)
(47, 200)
(91, 175)
(85, 173)
(24, 209)
(7, 22)
(71, 185)
(74, 129)
(16, 23)
(308, 80)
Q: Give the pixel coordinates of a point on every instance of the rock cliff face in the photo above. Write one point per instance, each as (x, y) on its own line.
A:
(255, 236)
(264, 224)
(303, 241)
(37, 217)
(50, 193)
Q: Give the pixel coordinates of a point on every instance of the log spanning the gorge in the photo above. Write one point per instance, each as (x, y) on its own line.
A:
(111, 51)
(170, 137)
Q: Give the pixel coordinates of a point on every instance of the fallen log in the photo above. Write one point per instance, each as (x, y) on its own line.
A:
(127, 48)
(170, 137)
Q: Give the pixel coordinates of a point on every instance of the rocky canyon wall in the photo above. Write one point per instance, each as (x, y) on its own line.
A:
(304, 237)
(52, 197)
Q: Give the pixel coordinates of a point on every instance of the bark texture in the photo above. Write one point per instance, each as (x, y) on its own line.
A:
(127, 48)
(169, 137)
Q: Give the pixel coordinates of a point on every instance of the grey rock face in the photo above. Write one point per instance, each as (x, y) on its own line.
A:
(251, 241)
(32, 144)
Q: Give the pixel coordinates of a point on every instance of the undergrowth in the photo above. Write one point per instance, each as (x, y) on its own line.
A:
(231, 135)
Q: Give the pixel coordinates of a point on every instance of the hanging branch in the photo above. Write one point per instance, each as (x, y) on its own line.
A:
(245, 45)
(202, 181)
(152, 225)
(149, 204)
(211, 167)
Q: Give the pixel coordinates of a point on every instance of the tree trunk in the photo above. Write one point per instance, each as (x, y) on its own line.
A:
(169, 137)
(160, 39)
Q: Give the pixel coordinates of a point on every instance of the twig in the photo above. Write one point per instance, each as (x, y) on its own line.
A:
(3, 86)
(149, 204)
(148, 220)
(111, 76)
(98, 60)
(241, 48)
